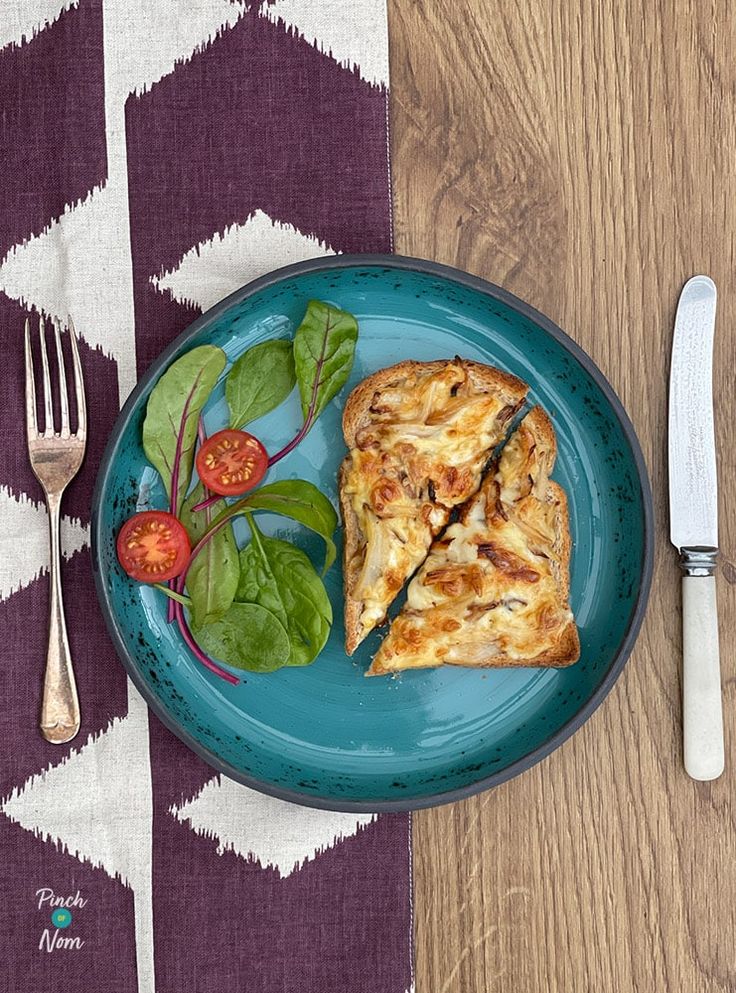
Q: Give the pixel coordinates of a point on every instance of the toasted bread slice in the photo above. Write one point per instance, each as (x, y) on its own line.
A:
(494, 589)
(419, 435)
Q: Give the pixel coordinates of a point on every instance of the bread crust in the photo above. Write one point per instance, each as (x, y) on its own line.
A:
(538, 423)
(356, 414)
(565, 652)
(350, 546)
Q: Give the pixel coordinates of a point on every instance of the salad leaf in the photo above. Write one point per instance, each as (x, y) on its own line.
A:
(179, 601)
(247, 636)
(196, 523)
(294, 498)
(324, 348)
(212, 578)
(170, 427)
(259, 381)
(280, 577)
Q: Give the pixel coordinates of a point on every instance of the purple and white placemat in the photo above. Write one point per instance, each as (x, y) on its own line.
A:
(157, 154)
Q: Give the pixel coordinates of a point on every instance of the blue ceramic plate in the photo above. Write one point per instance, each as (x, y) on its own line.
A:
(324, 735)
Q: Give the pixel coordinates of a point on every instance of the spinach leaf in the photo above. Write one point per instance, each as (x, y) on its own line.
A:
(212, 578)
(197, 522)
(259, 381)
(324, 348)
(247, 636)
(281, 578)
(170, 427)
(294, 498)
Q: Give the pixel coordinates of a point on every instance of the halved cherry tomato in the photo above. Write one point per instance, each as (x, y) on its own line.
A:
(231, 462)
(153, 546)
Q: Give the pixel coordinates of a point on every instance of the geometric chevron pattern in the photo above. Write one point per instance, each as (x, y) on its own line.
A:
(159, 154)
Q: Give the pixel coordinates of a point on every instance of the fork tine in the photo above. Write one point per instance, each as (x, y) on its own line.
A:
(79, 385)
(31, 424)
(48, 409)
(63, 397)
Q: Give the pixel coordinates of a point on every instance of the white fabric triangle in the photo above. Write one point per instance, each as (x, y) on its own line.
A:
(21, 22)
(213, 269)
(24, 542)
(147, 39)
(277, 834)
(352, 32)
(76, 268)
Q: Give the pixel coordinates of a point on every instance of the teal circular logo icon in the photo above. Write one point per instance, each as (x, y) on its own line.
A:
(61, 917)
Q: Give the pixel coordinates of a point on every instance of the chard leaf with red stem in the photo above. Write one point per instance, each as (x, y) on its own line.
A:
(172, 415)
(324, 350)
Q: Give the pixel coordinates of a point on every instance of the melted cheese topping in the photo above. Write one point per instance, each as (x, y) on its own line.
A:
(491, 588)
(420, 453)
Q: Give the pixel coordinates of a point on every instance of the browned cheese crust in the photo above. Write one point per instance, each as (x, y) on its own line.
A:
(494, 588)
(419, 435)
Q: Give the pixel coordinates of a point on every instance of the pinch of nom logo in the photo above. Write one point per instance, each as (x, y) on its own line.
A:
(61, 910)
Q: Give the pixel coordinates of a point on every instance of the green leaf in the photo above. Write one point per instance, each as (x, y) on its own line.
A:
(174, 406)
(280, 577)
(259, 381)
(294, 498)
(324, 348)
(197, 522)
(248, 637)
(213, 575)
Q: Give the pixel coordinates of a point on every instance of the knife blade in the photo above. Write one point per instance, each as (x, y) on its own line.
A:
(693, 489)
(692, 447)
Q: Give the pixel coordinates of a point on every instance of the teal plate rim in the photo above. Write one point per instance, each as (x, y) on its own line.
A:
(628, 640)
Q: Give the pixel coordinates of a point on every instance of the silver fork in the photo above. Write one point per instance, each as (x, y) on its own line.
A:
(55, 459)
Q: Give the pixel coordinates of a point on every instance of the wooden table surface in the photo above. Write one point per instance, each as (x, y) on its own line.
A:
(581, 153)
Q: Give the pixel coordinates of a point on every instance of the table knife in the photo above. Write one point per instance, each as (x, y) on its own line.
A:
(694, 524)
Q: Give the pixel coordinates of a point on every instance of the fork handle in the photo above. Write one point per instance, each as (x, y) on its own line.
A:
(60, 718)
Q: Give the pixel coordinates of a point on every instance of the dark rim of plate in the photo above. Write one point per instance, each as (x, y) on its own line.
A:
(489, 289)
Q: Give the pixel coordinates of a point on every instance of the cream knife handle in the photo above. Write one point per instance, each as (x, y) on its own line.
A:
(702, 710)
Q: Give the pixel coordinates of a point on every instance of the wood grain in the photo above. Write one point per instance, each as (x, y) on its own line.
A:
(583, 155)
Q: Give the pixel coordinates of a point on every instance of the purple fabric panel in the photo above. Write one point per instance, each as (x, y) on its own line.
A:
(52, 125)
(259, 120)
(341, 922)
(104, 962)
(15, 469)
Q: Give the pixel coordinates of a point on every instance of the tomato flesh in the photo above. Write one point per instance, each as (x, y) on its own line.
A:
(153, 546)
(231, 462)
